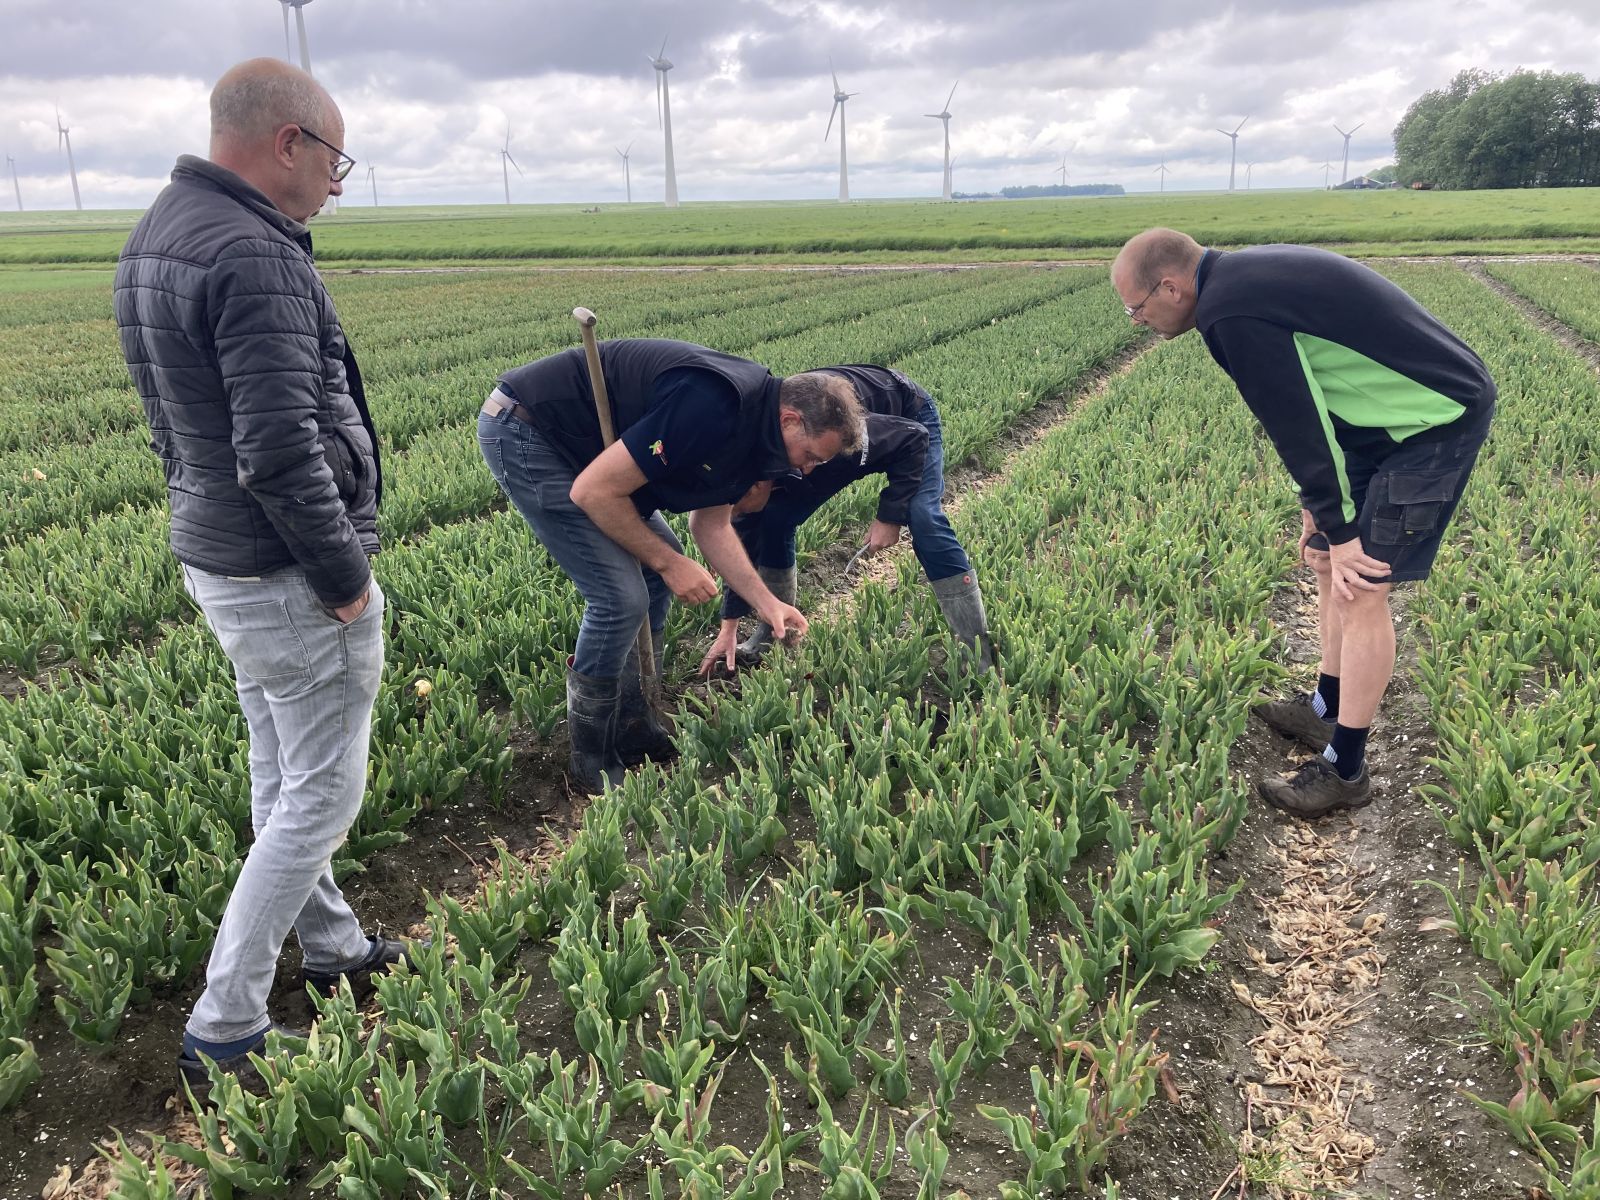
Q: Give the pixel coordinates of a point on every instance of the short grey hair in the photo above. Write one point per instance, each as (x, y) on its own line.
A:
(253, 101)
(826, 403)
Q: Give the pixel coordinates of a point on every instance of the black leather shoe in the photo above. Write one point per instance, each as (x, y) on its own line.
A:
(382, 954)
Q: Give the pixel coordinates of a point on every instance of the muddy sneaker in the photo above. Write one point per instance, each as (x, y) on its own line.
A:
(382, 954)
(194, 1056)
(1314, 789)
(1295, 718)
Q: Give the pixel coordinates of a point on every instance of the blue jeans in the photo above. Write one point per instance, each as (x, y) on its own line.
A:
(770, 532)
(618, 592)
(306, 684)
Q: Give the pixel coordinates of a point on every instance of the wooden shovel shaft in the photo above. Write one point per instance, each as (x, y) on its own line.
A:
(608, 434)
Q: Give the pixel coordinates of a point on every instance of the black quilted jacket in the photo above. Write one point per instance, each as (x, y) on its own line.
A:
(253, 397)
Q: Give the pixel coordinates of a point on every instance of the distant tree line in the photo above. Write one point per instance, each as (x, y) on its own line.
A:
(1484, 130)
(1037, 192)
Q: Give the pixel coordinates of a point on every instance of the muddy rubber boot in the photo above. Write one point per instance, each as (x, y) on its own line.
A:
(781, 582)
(1295, 718)
(592, 728)
(962, 605)
(640, 731)
(1314, 789)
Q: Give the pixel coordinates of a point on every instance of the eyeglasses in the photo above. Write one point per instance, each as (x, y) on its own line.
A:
(341, 166)
(1136, 309)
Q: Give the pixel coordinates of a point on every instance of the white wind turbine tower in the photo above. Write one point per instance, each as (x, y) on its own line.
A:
(505, 157)
(1162, 171)
(1344, 172)
(943, 116)
(300, 25)
(839, 97)
(1233, 157)
(1327, 170)
(12, 163)
(662, 64)
(627, 175)
(372, 178)
(64, 138)
(1248, 167)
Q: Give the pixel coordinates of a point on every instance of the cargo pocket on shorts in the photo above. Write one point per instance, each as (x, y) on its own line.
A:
(1414, 503)
(263, 643)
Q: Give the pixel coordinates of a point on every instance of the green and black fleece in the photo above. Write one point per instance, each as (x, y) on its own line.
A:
(1333, 359)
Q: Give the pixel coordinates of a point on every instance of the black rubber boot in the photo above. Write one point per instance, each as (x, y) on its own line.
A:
(640, 731)
(961, 602)
(592, 728)
(781, 582)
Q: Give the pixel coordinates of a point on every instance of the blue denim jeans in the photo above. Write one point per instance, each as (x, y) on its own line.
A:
(306, 684)
(618, 592)
(932, 539)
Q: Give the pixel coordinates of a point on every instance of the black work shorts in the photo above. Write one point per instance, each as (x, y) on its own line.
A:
(1404, 500)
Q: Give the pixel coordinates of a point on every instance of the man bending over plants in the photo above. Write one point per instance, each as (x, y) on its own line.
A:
(903, 441)
(696, 429)
(1378, 412)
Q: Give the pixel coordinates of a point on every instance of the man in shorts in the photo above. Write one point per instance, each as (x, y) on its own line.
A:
(1378, 412)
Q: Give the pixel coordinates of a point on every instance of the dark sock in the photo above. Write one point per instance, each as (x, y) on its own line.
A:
(1328, 689)
(1347, 751)
(219, 1051)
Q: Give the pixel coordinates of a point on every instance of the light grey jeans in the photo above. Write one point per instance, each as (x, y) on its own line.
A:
(306, 685)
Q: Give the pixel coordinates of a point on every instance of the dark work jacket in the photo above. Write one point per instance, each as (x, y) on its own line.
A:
(252, 393)
(896, 444)
(1332, 358)
(556, 392)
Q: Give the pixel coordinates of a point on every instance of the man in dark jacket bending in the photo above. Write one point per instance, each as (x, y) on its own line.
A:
(1378, 412)
(696, 429)
(905, 442)
(256, 409)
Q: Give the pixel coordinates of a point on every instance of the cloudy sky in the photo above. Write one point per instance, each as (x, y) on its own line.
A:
(428, 87)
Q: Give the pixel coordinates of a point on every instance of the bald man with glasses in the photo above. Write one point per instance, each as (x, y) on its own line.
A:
(256, 409)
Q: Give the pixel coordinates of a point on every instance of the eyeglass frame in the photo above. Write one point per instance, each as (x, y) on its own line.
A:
(1133, 313)
(339, 170)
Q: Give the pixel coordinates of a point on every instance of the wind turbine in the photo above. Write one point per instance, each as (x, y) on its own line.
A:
(1063, 169)
(1327, 170)
(505, 157)
(839, 97)
(12, 163)
(300, 25)
(1162, 169)
(372, 178)
(1344, 172)
(1233, 157)
(64, 138)
(662, 64)
(627, 175)
(1248, 167)
(943, 116)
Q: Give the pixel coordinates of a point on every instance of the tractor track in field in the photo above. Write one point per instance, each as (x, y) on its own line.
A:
(1569, 337)
(1372, 1034)
(1463, 260)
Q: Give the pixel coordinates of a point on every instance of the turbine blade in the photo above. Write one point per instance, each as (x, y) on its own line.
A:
(834, 73)
(513, 162)
(1224, 132)
(831, 113)
(935, 116)
(952, 95)
(1240, 125)
(663, 49)
(1354, 128)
